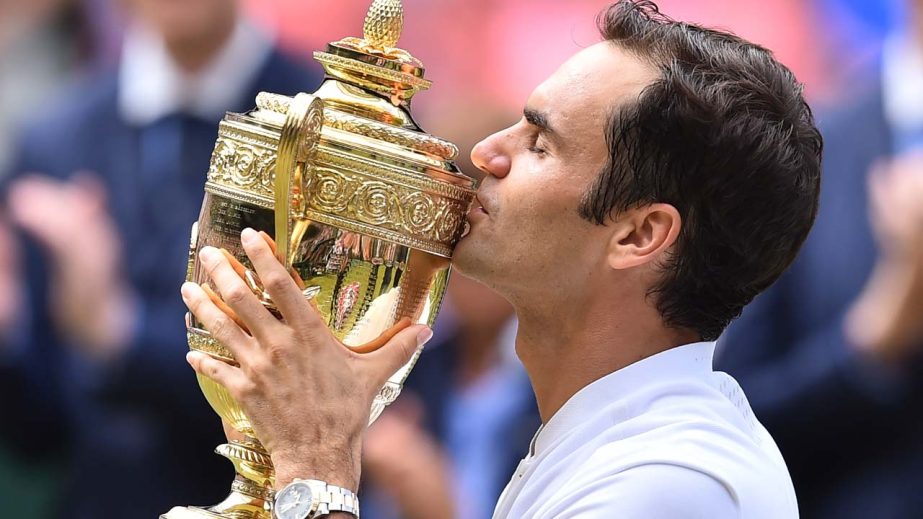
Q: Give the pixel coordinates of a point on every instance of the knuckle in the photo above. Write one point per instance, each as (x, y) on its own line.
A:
(212, 368)
(236, 294)
(276, 352)
(211, 266)
(246, 389)
(274, 281)
(221, 328)
(256, 368)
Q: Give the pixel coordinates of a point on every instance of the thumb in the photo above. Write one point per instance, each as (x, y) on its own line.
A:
(398, 351)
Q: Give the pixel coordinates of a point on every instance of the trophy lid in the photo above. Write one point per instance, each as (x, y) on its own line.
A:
(374, 62)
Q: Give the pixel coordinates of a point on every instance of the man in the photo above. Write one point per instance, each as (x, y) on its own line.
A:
(832, 354)
(656, 183)
(90, 357)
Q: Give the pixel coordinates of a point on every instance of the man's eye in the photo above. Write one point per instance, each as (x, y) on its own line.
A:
(537, 149)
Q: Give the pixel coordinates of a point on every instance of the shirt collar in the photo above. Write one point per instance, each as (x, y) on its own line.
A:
(902, 83)
(152, 85)
(675, 363)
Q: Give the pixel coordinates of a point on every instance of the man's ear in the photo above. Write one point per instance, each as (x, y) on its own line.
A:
(641, 235)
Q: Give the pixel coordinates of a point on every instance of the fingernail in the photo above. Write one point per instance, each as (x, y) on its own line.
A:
(248, 234)
(424, 336)
(207, 254)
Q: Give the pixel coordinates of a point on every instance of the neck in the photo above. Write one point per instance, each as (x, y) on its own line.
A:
(192, 54)
(564, 352)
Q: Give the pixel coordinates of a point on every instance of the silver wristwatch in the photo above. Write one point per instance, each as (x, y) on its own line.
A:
(310, 498)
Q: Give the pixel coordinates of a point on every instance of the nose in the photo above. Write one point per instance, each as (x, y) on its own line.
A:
(490, 157)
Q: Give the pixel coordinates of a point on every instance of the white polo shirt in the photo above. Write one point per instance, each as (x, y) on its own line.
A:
(664, 438)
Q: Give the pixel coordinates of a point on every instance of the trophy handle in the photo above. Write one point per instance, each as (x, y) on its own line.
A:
(298, 142)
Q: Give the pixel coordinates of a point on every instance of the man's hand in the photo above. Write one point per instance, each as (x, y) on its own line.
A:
(886, 319)
(92, 303)
(10, 282)
(307, 395)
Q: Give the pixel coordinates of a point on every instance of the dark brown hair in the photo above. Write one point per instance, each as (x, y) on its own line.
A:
(726, 137)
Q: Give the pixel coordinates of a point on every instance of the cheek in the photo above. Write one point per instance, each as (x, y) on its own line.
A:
(540, 201)
(543, 222)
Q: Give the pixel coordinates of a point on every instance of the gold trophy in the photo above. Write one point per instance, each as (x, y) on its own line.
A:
(364, 207)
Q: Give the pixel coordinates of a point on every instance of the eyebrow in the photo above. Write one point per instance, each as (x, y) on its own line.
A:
(540, 121)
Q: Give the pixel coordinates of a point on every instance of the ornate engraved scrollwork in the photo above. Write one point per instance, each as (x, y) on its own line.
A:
(418, 215)
(244, 166)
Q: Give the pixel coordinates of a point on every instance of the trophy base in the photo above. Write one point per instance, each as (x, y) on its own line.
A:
(251, 492)
(236, 506)
(188, 512)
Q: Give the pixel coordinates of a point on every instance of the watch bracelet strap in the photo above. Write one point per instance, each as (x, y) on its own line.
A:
(337, 499)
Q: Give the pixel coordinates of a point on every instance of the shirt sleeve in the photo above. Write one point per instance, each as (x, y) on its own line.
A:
(654, 491)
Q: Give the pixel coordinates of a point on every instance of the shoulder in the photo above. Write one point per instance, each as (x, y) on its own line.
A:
(703, 427)
(649, 491)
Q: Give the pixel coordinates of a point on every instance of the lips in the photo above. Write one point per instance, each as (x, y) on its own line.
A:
(477, 211)
(479, 205)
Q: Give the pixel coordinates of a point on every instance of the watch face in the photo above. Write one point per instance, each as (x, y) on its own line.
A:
(294, 501)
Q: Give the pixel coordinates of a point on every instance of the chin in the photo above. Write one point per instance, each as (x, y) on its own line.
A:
(472, 257)
(476, 259)
(462, 255)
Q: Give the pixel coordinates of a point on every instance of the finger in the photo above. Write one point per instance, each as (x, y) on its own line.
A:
(277, 282)
(272, 245)
(269, 241)
(238, 267)
(219, 325)
(216, 299)
(398, 351)
(235, 292)
(231, 377)
(382, 339)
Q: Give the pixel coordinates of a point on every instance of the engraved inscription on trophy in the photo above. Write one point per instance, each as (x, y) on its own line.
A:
(228, 218)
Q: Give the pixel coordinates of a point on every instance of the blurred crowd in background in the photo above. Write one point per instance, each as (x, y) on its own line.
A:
(108, 115)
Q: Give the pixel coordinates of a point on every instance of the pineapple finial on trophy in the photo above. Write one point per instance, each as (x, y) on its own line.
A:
(374, 62)
(384, 24)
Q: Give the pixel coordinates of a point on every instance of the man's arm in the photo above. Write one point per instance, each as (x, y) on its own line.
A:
(307, 395)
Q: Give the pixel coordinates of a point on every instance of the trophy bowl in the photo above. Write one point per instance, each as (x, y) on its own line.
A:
(364, 208)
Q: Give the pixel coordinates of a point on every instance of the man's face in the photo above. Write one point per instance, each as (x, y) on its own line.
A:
(183, 20)
(529, 237)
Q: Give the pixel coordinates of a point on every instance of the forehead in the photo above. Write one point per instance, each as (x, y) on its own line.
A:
(582, 93)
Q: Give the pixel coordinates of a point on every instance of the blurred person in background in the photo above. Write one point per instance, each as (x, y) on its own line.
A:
(467, 412)
(103, 193)
(832, 355)
(44, 44)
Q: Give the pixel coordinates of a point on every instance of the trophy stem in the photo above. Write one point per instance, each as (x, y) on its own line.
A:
(251, 491)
